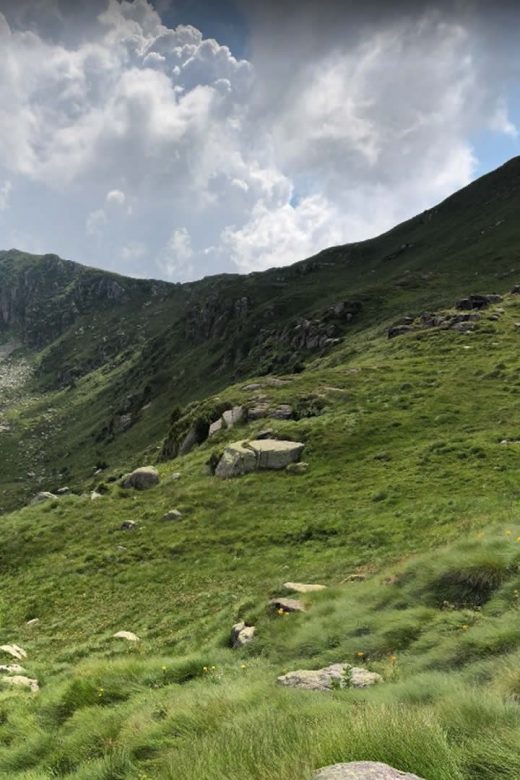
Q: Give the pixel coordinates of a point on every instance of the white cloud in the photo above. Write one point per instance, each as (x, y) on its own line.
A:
(5, 191)
(225, 164)
(176, 258)
(116, 197)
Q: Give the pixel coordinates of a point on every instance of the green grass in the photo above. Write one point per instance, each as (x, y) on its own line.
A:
(408, 482)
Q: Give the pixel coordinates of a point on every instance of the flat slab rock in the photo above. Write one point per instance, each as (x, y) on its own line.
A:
(303, 587)
(19, 681)
(362, 770)
(15, 651)
(243, 457)
(287, 605)
(128, 635)
(328, 678)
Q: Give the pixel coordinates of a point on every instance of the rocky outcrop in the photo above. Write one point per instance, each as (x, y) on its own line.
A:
(362, 770)
(242, 634)
(427, 320)
(330, 678)
(244, 457)
(477, 301)
(142, 478)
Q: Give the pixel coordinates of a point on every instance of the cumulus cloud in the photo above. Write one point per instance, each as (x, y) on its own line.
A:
(341, 123)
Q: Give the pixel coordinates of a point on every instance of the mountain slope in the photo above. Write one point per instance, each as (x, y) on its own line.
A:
(412, 484)
(114, 356)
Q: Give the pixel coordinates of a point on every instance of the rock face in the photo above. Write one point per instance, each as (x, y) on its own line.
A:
(362, 770)
(330, 678)
(141, 479)
(245, 456)
(302, 587)
(43, 496)
(241, 634)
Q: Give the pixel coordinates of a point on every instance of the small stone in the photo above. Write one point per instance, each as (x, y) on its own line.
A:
(128, 635)
(302, 587)
(62, 491)
(128, 525)
(94, 495)
(355, 577)
(297, 468)
(242, 634)
(14, 650)
(33, 622)
(362, 770)
(22, 682)
(172, 514)
(287, 605)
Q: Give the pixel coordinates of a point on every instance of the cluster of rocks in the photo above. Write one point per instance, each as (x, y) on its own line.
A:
(468, 313)
(15, 675)
(244, 457)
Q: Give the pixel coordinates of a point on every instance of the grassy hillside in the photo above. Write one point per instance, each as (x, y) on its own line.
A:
(409, 483)
(104, 360)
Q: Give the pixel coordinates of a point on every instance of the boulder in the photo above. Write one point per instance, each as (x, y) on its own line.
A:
(94, 495)
(287, 605)
(233, 416)
(282, 412)
(22, 682)
(242, 634)
(189, 442)
(141, 479)
(63, 491)
(259, 411)
(172, 514)
(276, 453)
(15, 651)
(302, 587)
(128, 525)
(330, 678)
(237, 459)
(128, 635)
(44, 495)
(477, 301)
(215, 427)
(362, 770)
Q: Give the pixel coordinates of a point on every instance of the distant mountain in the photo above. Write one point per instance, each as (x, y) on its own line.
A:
(117, 344)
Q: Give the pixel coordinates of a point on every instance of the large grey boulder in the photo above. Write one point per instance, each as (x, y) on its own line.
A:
(141, 479)
(362, 770)
(244, 457)
(330, 678)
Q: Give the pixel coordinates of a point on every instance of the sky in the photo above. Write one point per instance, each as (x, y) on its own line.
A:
(180, 138)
